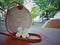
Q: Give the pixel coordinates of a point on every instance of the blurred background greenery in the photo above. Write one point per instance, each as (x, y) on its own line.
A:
(48, 8)
(4, 3)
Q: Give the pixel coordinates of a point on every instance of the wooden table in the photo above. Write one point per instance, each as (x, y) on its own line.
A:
(51, 36)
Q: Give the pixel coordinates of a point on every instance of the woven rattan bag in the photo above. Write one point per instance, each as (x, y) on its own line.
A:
(19, 17)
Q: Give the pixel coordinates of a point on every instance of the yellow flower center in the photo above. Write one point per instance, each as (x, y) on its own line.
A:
(21, 32)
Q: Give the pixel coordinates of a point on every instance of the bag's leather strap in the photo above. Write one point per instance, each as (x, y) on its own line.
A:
(20, 6)
(31, 40)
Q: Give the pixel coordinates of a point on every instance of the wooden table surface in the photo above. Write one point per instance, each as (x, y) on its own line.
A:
(51, 36)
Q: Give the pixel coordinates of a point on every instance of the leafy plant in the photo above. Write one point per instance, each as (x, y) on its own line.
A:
(49, 9)
(4, 3)
(48, 6)
(34, 12)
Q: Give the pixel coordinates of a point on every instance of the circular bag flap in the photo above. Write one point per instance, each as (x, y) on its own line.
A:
(16, 17)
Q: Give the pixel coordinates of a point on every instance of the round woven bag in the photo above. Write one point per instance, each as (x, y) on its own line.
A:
(19, 16)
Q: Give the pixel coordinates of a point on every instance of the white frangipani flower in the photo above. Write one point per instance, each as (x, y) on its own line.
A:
(22, 32)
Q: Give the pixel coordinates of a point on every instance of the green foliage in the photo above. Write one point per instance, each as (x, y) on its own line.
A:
(4, 3)
(48, 6)
(41, 3)
(44, 3)
(21, 1)
(34, 12)
(49, 9)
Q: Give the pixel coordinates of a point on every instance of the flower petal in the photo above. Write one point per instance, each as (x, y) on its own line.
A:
(24, 36)
(19, 29)
(18, 34)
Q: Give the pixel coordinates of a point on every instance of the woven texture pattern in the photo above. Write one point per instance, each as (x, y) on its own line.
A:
(18, 18)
